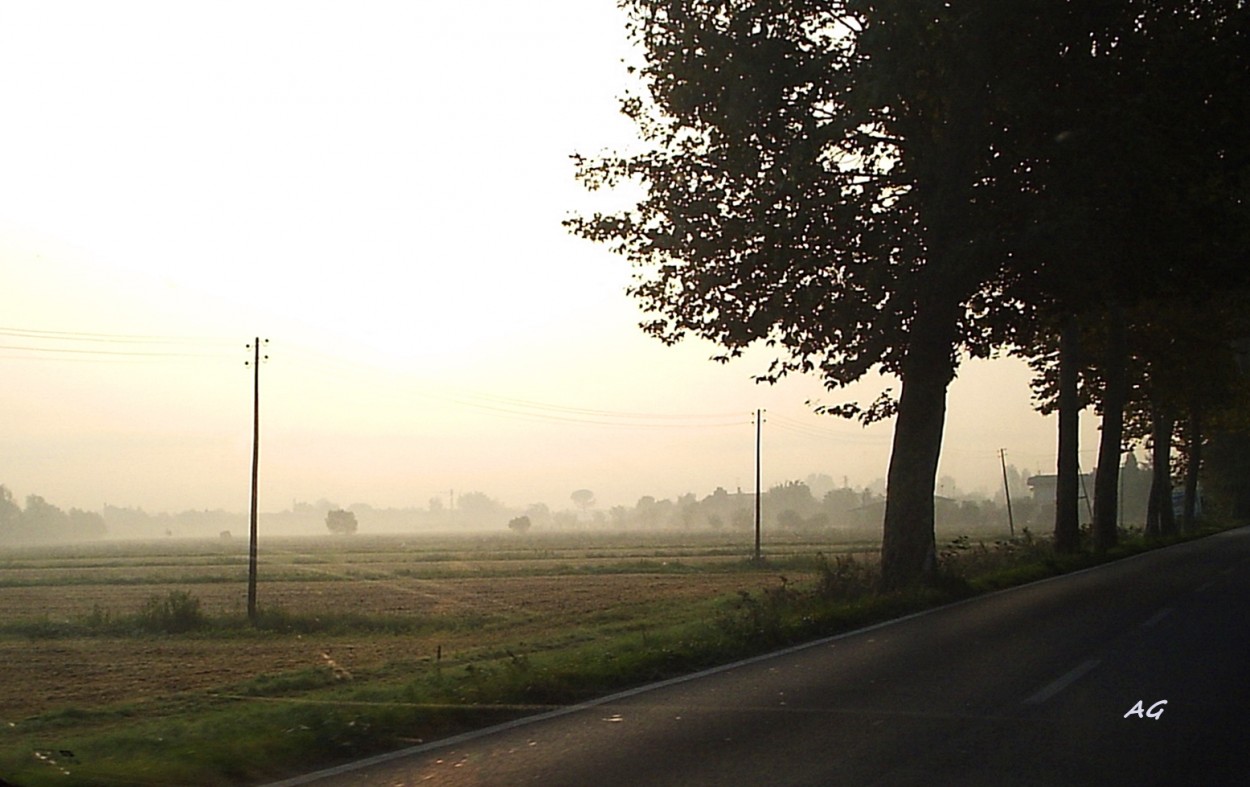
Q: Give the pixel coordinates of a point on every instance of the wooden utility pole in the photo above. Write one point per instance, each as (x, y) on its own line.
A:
(759, 421)
(1089, 507)
(1011, 521)
(251, 558)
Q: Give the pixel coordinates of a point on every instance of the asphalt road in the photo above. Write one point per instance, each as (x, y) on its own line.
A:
(1031, 686)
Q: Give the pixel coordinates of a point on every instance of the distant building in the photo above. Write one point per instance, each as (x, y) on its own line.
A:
(1044, 487)
(1134, 492)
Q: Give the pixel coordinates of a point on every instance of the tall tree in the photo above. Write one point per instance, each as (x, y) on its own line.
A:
(10, 514)
(860, 185)
(1160, 520)
(824, 178)
(1067, 536)
(1143, 194)
(1110, 447)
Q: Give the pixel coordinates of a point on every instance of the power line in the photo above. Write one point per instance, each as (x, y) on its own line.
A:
(113, 338)
(49, 345)
(131, 353)
(501, 400)
(629, 420)
(80, 359)
(794, 426)
(45, 345)
(531, 410)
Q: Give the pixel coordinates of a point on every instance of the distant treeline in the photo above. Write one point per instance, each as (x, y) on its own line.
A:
(809, 507)
(41, 522)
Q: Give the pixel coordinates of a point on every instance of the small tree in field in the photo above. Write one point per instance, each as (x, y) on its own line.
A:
(520, 524)
(340, 522)
(583, 499)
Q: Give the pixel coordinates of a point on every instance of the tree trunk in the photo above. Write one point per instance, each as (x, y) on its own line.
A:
(1068, 482)
(1107, 476)
(1159, 518)
(1192, 467)
(908, 546)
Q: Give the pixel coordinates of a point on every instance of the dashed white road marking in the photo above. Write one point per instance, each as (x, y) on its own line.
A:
(1160, 615)
(1067, 679)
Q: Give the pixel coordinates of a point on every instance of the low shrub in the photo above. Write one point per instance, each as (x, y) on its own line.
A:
(177, 612)
(844, 577)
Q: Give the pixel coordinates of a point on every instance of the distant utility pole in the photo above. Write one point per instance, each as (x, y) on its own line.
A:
(1089, 507)
(251, 559)
(759, 421)
(1011, 521)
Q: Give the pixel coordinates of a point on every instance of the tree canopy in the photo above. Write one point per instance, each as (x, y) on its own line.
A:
(43, 522)
(341, 522)
(890, 186)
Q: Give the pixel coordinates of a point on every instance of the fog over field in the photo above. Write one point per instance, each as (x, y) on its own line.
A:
(817, 507)
(378, 192)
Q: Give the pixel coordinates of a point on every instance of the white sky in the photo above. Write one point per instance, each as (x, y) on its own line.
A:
(377, 188)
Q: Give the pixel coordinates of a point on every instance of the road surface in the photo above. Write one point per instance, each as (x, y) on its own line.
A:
(1133, 673)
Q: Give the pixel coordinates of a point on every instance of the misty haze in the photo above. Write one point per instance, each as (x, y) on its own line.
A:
(815, 507)
(624, 392)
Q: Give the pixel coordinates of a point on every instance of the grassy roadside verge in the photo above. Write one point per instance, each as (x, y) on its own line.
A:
(291, 722)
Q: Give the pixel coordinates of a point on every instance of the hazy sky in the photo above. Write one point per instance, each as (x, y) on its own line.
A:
(377, 188)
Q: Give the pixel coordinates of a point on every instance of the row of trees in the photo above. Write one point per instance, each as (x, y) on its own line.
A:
(790, 506)
(40, 522)
(817, 507)
(868, 185)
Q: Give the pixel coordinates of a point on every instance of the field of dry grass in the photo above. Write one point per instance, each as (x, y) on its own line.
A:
(457, 595)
